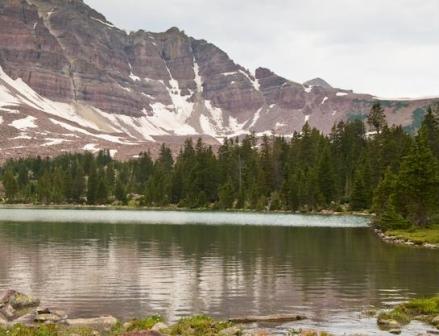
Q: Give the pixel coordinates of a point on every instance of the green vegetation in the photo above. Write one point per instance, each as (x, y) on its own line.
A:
(198, 326)
(409, 196)
(427, 308)
(377, 118)
(391, 172)
(190, 326)
(418, 235)
(144, 324)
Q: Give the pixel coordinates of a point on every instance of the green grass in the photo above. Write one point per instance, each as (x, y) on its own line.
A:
(198, 326)
(418, 236)
(405, 312)
(144, 324)
(190, 326)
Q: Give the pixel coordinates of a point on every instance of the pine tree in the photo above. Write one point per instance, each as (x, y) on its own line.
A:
(120, 192)
(383, 192)
(226, 195)
(430, 126)
(92, 186)
(101, 191)
(326, 177)
(418, 183)
(10, 185)
(377, 118)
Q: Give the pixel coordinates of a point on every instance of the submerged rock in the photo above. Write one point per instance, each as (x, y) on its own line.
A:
(268, 318)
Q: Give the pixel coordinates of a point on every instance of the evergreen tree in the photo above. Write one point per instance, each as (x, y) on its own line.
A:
(226, 195)
(10, 185)
(418, 183)
(377, 118)
(92, 186)
(430, 127)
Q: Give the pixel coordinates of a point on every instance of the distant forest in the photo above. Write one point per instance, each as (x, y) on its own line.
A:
(387, 171)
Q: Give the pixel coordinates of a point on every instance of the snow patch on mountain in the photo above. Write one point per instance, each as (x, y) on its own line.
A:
(255, 118)
(198, 79)
(91, 148)
(103, 22)
(53, 142)
(24, 124)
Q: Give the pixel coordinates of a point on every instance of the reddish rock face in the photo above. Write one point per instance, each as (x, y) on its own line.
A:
(129, 91)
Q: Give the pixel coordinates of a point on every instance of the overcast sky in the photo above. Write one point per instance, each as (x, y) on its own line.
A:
(389, 48)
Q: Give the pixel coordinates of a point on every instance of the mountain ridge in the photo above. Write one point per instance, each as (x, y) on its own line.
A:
(88, 85)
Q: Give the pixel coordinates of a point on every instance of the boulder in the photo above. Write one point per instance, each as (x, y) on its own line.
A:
(8, 312)
(18, 300)
(395, 331)
(435, 321)
(232, 331)
(3, 321)
(388, 324)
(49, 316)
(27, 319)
(258, 332)
(97, 322)
(159, 326)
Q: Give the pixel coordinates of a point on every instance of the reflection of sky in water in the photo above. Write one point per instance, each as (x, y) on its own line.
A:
(175, 270)
(177, 217)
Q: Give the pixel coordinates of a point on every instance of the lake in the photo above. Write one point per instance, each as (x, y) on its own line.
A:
(137, 263)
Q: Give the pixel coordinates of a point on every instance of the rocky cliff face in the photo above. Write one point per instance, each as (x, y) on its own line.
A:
(70, 80)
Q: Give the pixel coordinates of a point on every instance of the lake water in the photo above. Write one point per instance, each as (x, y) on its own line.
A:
(137, 263)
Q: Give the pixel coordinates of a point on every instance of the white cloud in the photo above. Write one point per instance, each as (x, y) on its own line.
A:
(384, 47)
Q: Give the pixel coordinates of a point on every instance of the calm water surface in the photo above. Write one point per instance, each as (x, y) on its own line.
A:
(136, 263)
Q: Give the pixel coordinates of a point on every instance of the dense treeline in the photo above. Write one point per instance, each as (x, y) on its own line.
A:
(387, 170)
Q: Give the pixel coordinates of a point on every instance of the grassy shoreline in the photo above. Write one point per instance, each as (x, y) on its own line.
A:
(420, 236)
(422, 309)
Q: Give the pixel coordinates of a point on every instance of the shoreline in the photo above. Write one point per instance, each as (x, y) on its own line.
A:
(387, 238)
(399, 241)
(324, 212)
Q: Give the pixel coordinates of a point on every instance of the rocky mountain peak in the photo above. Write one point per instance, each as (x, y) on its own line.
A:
(71, 80)
(318, 82)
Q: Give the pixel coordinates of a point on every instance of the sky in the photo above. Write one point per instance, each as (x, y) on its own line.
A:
(389, 48)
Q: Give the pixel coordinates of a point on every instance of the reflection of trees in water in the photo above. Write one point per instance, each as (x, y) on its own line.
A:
(196, 266)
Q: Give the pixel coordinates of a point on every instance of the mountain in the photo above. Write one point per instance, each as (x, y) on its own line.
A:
(71, 80)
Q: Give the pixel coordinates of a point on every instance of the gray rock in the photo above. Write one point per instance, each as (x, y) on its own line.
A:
(159, 326)
(18, 300)
(268, 318)
(232, 331)
(388, 324)
(99, 322)
(8, 312)
(27, 319)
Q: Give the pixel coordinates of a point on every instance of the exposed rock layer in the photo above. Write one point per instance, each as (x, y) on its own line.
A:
(86, 84)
